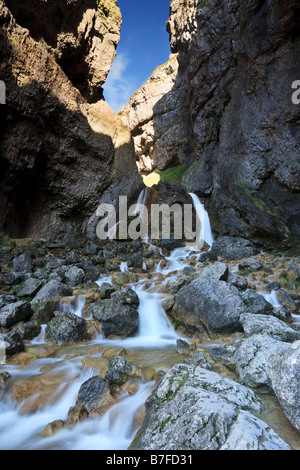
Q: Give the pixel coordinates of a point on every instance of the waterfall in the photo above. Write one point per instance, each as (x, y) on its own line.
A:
(205, 228)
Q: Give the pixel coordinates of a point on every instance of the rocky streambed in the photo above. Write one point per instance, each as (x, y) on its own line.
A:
(118, 345)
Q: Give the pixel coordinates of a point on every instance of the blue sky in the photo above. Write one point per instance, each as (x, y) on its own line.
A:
(144, 45)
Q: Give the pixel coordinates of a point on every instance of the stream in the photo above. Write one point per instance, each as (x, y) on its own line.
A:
(154, 346)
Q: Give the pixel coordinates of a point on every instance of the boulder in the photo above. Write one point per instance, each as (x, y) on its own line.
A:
(284, 372)
(268, 325)
(232, 248)
(30, 287)
(117, 320)
(126, 296)
(252, 357)
(217, 271)
(66, 328)
(15, 312)
(120, 370)
(94, 396)
(256, 303)
(75, 276)
(208, 303)
(12, 342)
(45, 301)
(23, 263)
(194, 408)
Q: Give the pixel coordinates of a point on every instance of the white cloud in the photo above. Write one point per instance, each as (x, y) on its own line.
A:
(119, 86)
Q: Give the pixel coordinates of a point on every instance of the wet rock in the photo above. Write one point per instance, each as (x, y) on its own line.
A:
(126, 296)
(4, 378)
(23, 263)
(94, 396)
(44, 302)
(268, 325)
(28, 330)
(284, 372)
(98, 363)
(15, 312)
(238, 281)
(232, 248)
(213, 304)
(53, 428)
(193, 408)
(120, 370)
(75, 276)
(182, 347)
(30, 287)
(114, 352)
(66, 328)
(256, 303)
(13, 343)
(117, 320)
(171, 244)
(252, 357)
(76, 414)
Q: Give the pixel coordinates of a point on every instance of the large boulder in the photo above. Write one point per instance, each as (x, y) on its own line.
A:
(210, 304)
(15, 312)
(268, 325)
(196, 409)
(66, 328)
(284, 372)
(117, 320)
(45, 301)
(252, 357)
(94, 397)
(232, 248)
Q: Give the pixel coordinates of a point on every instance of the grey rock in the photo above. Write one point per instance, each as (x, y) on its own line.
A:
(284, 372)
(126, 296)
(232, 248)
(117, 320)
(224, 353)
(93, 396)
(75, 276)
(12, 277)
(256, 303)
(23, 263)
(286, 300)
(217, 271)
(30, 287)
(194, 408)
(198, 359)
(45, 301)
(106, 290)
(252, 357)
(6, 299)
(250, 433)
(238, 281)
(283, 313)
(15, 312)
(208, 303)
(250, 265)
(28, 330)
(119, 371)
(13, 343)
(66, 328)
(268, 325)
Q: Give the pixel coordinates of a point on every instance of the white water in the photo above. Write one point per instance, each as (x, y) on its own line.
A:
(205, 233)
(114, 431)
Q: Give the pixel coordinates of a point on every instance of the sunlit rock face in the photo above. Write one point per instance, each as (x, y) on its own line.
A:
(159, 119)
(59, 153)
(237, 62)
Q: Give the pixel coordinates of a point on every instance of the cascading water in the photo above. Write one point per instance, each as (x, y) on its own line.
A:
(205, 228)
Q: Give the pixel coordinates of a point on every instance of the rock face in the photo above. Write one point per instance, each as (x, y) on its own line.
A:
(159, 119)
(194, 408)
(59, 154)
(237, 62)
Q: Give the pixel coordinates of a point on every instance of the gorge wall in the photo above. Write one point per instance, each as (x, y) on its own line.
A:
(62, 146)
(237, 62)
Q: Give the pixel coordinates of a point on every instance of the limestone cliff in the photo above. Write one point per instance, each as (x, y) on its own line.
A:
(59, 154)
(237, 61)
(159, 119)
